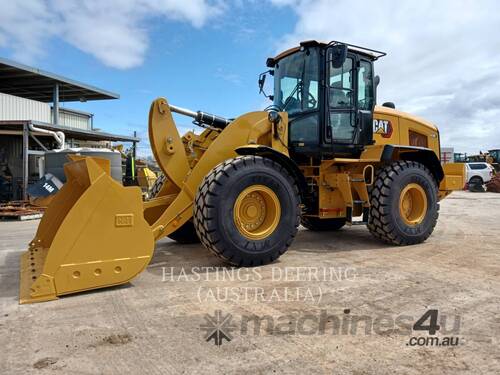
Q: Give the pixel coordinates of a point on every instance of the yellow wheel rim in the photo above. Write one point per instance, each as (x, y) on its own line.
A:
(257, 212)
(413, 204)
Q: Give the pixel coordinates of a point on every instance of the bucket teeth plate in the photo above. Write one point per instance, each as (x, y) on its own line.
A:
(34, 286)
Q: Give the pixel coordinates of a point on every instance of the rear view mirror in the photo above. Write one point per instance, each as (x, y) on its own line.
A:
(262, 80)
(338, 55)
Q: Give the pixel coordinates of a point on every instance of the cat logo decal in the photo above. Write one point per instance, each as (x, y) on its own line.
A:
(382, 127)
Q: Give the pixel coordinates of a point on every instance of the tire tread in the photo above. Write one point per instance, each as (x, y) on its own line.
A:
(381, 222)
(204, 217)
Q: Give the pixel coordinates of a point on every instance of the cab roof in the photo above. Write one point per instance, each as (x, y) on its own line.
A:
(370, 53)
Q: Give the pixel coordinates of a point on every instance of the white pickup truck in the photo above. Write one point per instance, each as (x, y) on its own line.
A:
(479, 173)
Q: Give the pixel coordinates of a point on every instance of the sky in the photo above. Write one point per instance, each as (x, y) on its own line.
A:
(442, 61)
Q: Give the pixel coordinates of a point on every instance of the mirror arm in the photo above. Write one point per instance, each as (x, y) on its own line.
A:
(261, 82)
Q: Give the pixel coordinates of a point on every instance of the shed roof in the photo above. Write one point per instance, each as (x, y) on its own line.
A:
(33, 83)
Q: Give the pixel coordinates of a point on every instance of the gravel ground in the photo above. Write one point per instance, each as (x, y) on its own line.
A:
(338, 303)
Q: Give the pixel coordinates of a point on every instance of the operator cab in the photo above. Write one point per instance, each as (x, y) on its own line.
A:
(329, 92)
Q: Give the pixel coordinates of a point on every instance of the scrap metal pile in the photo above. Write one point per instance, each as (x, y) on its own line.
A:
(20, 210)
(494, 184)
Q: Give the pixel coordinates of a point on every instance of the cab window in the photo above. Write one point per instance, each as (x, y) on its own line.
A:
(341, 85)
(365, 86)
(340, 101)
(296, 91)
(296, 82)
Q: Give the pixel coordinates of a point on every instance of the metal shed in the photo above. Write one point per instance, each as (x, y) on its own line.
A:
(29, 99)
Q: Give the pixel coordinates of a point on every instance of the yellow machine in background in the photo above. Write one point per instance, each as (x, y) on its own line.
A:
(137, 171)
(146, 178)
(322, 155)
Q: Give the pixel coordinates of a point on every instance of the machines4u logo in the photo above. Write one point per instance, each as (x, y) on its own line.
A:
(218, 327)
(382, 127)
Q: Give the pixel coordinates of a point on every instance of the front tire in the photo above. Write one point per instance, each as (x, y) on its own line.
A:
(476, 180)
(247, 211)
(404, 204)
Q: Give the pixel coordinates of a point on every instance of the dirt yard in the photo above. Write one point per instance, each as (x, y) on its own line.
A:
(339, 303)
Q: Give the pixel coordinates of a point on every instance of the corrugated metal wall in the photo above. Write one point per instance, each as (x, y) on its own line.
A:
(15, 108)
(73, 119)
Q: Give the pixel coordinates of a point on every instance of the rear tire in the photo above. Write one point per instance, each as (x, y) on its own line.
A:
(321, 225)
(404, 204)
(247, 211)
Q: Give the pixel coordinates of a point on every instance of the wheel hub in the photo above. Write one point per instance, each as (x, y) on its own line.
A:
(413, 204)
(257, 212)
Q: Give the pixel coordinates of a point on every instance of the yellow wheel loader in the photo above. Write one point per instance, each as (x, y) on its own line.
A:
(322, 155)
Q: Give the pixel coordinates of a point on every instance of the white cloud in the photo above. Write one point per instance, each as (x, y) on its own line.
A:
(24, 26)
(442, 61)
(113, 31)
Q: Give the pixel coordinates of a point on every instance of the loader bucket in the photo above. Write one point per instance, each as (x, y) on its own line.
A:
(92, 235)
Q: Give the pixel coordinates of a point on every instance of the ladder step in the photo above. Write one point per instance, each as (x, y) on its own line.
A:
(358, 201)
(364, 217)
(357, 180)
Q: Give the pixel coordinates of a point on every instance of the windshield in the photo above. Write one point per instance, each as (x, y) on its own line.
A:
(296, 82)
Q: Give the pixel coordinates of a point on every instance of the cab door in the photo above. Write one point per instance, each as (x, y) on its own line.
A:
(341, 102)
(350, 99)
